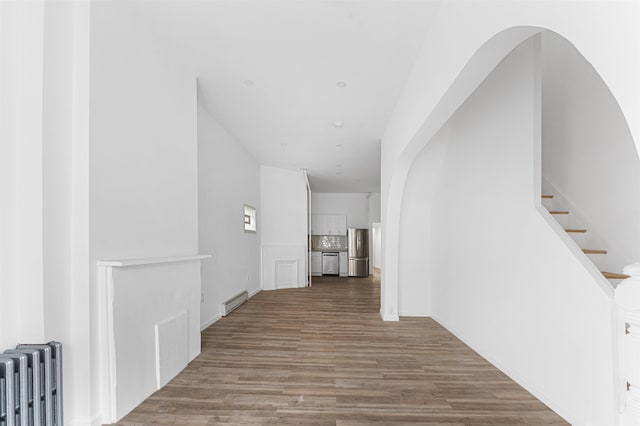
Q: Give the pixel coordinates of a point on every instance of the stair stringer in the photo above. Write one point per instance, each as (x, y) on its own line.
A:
(582, 258)
(613, 260)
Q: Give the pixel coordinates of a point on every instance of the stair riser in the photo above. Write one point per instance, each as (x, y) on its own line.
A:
(600, 260)
(614, 283)
(580, 238)
(584, 240)
(564, 220)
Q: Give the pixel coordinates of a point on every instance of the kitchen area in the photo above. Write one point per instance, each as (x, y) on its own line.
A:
(337, 250)
(342, 234)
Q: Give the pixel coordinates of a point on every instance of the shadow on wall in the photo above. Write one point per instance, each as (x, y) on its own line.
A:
(589, 161)
(476, 255)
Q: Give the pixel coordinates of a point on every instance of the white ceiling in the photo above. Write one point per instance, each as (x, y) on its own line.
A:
(267, 72)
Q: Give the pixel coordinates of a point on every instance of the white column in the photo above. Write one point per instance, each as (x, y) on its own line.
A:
(21, 208)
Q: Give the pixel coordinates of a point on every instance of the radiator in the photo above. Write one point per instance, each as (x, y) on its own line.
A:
(31, 385)
(233, 303)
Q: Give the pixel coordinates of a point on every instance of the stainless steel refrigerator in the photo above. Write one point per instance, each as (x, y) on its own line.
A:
(358, 252)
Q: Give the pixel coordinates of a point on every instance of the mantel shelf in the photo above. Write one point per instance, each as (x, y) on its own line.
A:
(122, 263)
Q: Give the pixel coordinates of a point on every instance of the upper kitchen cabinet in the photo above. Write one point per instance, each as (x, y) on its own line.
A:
(316, 226)
(331, 224)
(342, 224)
(328, 224)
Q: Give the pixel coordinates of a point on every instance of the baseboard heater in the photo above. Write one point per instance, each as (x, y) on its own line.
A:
(31, 385)
(234, 303)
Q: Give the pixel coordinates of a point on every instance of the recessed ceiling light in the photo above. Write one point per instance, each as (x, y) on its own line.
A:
(341, 84)
(338, 124)
(249, 83)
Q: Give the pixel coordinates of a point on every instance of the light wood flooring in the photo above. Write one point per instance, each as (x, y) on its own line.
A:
(323, 356)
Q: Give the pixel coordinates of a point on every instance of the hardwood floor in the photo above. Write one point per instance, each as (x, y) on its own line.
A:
(323, 356)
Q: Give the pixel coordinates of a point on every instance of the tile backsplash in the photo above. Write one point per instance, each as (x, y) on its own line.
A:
(328, 242)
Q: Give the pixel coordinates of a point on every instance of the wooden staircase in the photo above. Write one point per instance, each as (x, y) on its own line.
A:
(607, 275)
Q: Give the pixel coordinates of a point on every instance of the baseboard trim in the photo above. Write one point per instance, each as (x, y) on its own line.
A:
(208, 323)
(254, 292)
(389, 317)
(414, 314)
(94, 421)
(97, 420)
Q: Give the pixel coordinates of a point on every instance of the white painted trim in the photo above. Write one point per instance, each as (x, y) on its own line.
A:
(572, 418)
(208, 323)
(287, 263)
(389, 317)
(161, 379)
(107, 363)
(96, 420)
(151, 260)
(423, 314)
(254, 292)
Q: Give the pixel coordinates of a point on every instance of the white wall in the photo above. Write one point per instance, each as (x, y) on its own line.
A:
(282, 221)
(362, 209)
(502, 278)
(21, 161)
(43, 146)
(143, 165)
(414, 289)
(66, 196)
(588, 155)
(459, 51)
(374, 207)
(229, 178)
(353, 205)
(57, 131)
(611, 24)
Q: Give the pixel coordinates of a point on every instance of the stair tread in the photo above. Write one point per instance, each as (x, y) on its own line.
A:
(576, 230)
(547, 196)
(592, 251)
(558, 212)
(612, 275)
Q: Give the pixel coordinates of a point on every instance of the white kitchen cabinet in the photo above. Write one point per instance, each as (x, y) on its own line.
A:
(344, 264)
(341, 224)
(328, 224)
(322, 224)
(331, 224)
(316, 263)
(316, 224)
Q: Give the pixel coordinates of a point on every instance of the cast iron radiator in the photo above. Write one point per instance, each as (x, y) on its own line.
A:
(31, 385)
